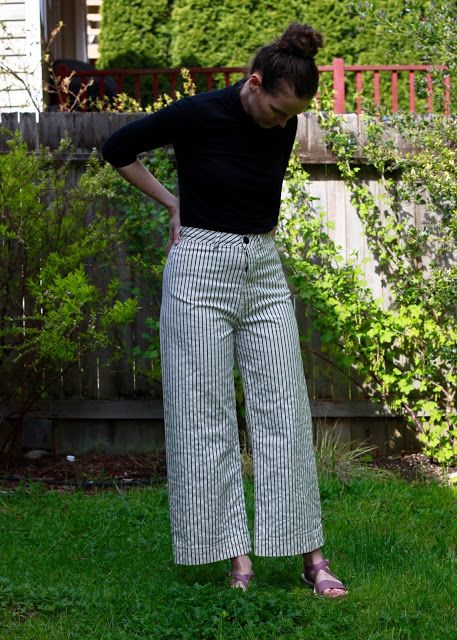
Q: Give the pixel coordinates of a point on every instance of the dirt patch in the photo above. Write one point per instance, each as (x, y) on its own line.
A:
(414, 466)
(92, 471)
(88, 471)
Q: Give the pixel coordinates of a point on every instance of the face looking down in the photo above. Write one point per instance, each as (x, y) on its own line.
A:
(270, 110)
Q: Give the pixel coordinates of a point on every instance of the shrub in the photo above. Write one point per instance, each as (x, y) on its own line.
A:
(404, 356)
(134, 33)
(53, 309)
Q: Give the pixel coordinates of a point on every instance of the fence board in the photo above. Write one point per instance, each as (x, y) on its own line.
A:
(27, 126)
(371, 431)
(140, 326)
(125, 371)
(107, 370)
(9, 121)
(124, 408)
(396, 436)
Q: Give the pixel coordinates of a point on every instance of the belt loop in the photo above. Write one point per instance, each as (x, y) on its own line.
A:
(216, 239)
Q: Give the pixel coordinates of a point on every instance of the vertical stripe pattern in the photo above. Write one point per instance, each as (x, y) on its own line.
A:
(225, 299)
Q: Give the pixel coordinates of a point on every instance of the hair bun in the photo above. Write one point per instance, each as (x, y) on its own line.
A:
(300, 40)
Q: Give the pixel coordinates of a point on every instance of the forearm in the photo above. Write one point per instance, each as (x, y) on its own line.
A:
(137, 174)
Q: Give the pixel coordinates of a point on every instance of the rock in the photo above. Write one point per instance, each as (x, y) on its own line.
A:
(36, 453)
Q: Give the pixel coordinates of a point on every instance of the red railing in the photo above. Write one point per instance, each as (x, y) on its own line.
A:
(139, 76)
(338, 69)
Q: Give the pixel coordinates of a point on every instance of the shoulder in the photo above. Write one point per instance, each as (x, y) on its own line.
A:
(192, 106)
(215, 101)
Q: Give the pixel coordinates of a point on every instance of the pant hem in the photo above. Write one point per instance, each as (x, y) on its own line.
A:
(302, 544)
(205, 555)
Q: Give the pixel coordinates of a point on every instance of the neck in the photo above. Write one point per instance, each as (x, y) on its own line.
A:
(244, 97)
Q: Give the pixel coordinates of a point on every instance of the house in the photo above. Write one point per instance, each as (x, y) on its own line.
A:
(25, 26)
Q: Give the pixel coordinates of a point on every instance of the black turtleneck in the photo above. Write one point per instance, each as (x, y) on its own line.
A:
(230, 170)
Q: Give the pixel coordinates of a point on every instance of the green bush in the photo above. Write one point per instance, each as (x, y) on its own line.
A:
(227, 32)
(411, 32)
(224, 33)
(134, 33)
(404, 356)
(55, 310)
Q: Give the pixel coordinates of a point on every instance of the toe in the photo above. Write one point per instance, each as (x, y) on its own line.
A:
(334, 592)
(237, 584)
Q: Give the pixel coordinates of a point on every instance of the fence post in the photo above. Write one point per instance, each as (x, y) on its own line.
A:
(338, 85)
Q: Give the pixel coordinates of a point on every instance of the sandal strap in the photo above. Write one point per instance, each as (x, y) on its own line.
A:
(316, 567)
(329, 584)
(324, 584)
(242, 577)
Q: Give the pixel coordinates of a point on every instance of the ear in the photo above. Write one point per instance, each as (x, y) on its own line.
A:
(255, 81)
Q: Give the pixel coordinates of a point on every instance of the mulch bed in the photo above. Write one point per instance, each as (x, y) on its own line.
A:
(89, 471)
(413, 466)
(93, 471)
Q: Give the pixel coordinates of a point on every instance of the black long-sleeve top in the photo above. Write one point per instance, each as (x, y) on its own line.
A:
(230, 170)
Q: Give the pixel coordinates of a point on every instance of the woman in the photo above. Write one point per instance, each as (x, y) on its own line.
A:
(225, 300)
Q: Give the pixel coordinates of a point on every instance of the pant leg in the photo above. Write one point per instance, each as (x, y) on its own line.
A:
(267, 350)
(206, 499)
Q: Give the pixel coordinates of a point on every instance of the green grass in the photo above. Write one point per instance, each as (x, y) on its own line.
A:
(99, 566)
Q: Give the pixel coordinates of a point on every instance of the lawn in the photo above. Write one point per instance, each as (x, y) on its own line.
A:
(99, 566)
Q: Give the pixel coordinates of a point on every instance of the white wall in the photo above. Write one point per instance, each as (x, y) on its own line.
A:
(20, 56)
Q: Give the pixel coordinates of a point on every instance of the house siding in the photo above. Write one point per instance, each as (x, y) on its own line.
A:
(20, 56)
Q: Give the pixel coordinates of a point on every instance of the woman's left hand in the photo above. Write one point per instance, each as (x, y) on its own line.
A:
(175, 225)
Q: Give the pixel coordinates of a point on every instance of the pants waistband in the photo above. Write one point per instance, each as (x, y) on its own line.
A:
(212, 237)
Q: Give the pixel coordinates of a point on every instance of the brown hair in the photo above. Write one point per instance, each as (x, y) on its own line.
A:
(290, 60)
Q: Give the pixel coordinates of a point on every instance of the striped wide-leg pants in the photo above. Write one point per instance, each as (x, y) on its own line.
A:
(225, 299)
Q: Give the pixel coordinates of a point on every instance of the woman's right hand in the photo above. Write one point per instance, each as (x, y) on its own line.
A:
(175, 225)
(137, 174)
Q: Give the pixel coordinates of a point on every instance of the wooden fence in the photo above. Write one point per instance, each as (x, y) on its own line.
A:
(117, 400)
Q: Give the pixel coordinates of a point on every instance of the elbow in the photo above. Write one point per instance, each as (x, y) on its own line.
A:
(116, 157)
(107, 152)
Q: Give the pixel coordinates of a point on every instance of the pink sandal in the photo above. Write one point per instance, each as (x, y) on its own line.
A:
(244, 578)
(324, 584)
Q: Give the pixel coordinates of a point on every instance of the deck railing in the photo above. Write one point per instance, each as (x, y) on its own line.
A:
(154, 79)
(340, 71)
